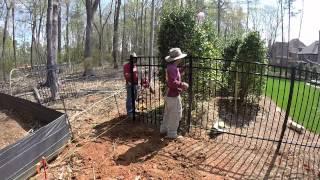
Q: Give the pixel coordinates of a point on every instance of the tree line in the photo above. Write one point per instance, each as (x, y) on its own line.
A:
(104, 32)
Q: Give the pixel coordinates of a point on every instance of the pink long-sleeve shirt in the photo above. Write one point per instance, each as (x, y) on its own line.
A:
(174, 83)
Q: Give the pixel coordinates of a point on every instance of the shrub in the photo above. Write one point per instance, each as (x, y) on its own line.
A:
(241, 71)
(179, 29)
(176, 30)
(229, 54)
(250, 51)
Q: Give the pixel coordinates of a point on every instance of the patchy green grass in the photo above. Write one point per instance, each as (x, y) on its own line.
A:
(305, 107)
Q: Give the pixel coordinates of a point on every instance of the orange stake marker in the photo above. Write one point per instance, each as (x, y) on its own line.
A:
(44, 164)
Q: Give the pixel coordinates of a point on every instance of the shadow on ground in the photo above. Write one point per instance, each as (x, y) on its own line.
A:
(146, 139)
(26, 121)
(246, 113)
(204, 158)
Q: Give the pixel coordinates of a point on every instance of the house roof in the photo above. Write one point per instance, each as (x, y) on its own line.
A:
(295, 45)
(311, 49)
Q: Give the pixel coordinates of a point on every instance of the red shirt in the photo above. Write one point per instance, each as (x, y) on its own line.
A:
(173, 80)
(127, 73)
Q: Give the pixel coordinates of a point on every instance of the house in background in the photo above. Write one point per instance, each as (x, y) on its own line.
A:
(280, 56)
(310, 53)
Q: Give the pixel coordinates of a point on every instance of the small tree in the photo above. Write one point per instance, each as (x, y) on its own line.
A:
(205, 45)
(229, 54)
(251, 51)
(176, 30)
(179, 29)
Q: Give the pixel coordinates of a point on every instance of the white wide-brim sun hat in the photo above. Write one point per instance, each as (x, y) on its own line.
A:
(175, 54)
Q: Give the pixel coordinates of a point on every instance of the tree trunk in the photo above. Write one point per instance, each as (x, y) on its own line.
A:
(141, 29)
(124, 43)
(40, 25)
(100, 35)
(33, 28)
(151, 39)
(14, 35)
(137, 27)
(4, 38)
(145, 46)
(151, 29)
(87, 50)
(67, 33)
(219, 16)
(59, 34)
(116, 46)
(37, 43)
(248, 11)
(52, 28)
(88, 61)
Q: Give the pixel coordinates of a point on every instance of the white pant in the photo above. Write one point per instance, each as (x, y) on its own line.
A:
(172, 116)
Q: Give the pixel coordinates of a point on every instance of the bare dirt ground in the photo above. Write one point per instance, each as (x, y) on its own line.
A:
(11, 129)
(107, 145)
(129, 150)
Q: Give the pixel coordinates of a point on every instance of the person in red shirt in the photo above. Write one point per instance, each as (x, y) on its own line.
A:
(175, 86)
(145, 82)
(130, 84)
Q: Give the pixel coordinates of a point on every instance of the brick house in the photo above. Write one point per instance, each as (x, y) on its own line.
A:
(278, 53)
(310, 53)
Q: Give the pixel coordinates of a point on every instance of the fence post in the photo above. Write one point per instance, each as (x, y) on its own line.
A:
(190, 94)
(284, 125)
(132, 87)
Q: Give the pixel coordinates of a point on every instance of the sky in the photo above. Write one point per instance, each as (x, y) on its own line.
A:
(310, 23)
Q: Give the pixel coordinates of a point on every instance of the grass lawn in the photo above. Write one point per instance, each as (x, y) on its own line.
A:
(305, 107)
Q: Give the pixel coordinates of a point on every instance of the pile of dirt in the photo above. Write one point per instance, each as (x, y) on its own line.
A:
(11, 128)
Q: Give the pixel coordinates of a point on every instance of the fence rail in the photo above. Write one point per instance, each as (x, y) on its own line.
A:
(238, 99)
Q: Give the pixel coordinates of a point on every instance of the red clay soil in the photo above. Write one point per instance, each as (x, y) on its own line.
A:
(127, 150)
(135, 151)
(131, 151)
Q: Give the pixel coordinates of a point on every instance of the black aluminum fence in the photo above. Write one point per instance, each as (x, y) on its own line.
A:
(230, 100)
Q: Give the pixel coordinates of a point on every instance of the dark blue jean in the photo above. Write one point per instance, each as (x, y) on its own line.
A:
(129, 98)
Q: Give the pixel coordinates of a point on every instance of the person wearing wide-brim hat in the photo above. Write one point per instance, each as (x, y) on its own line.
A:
(173, 106)
(129, 83)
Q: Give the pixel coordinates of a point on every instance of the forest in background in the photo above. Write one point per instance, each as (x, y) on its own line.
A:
(104, 32)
